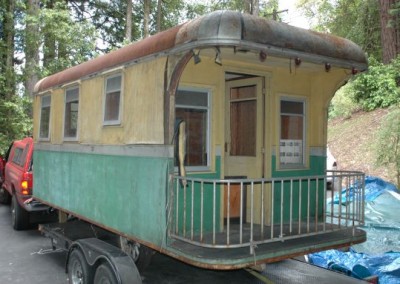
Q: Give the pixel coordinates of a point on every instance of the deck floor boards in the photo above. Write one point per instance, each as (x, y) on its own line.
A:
(271, 251)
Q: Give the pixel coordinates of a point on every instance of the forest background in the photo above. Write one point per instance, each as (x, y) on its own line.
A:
(39, 38)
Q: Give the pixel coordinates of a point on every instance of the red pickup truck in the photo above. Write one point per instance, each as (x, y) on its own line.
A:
(17, 183)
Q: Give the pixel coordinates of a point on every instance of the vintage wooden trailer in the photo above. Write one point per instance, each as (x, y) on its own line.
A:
(205, 142)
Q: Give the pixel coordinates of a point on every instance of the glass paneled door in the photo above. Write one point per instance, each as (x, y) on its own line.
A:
(243, 140)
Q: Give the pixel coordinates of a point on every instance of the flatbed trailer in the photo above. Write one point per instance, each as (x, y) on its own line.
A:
(99, 246)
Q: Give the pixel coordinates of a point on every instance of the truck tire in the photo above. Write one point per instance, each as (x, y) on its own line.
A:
(105, 275)
(5, 197)
(79, 271)
(19, 216)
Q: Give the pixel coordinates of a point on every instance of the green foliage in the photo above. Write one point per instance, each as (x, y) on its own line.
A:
(71, 42)
(357, 20)
(378, 87)
(343, 103)
(15, 120)
(387, 145)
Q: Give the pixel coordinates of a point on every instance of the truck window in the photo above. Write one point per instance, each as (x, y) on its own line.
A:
(17, 157)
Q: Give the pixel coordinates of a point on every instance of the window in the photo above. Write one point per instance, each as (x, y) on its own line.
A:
(192, 106)
(44, 129)
(112, 100)
(17, 158)
(71, 113)
(243, 120)
(292, 142)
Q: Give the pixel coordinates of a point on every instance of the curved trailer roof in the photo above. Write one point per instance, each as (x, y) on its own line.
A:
(223, 28)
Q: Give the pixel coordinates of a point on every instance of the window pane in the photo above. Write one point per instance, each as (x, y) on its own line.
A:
(17, 156)
(192, 107)
(191, 98)
(45, 122)
(72, 95)
(292, 132)
(71, 113)
(71, 119)
(196, 135)
(292, 107)
(46, 100)
(291, 127)
(243, 128)
(112, 106)
(45, 117)
(112, 103)
(113, 84)
(245, 92)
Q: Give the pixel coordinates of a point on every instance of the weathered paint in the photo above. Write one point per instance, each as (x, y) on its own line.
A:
(208, 195)
(129, 193)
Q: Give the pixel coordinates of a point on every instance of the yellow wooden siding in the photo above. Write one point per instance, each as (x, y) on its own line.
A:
(141, 113)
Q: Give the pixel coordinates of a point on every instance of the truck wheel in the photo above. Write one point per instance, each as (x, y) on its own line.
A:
(20, 217)
(105, 275)
(5, 197)
(79, 271)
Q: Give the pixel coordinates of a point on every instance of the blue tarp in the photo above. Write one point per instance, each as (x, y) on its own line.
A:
(380, 254)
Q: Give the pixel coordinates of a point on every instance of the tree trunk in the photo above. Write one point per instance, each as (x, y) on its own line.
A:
(159, 13)
(247, 6)
(389, 35)
(146, 18)
(31, 47)
(49, 47)
(128, 30)
(255, 9)
(7, 56)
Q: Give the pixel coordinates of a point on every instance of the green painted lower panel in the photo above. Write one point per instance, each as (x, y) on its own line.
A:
(194, 208)
(127, 194)
(307, 196)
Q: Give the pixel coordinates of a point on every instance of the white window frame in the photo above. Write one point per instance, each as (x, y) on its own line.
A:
(116, 121)
(208, 125)
(70, 138)
(41, 138)
(294, 166)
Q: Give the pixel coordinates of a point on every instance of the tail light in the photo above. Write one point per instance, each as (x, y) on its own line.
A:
(26, 183)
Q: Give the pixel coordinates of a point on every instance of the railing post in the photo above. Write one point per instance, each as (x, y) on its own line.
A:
(251, 212)
(201, 210)
(228, 217)
(192, 212)
(354, 192)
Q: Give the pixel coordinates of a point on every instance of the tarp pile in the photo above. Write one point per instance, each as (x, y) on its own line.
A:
(380, 254)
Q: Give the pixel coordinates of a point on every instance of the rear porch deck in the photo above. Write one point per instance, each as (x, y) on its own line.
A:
(239, 257)
(278, 218)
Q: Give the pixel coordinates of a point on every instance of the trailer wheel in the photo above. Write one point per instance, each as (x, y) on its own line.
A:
(105, 275)
(5, 197)
(140, 254)
(19, 216)
(79, 271)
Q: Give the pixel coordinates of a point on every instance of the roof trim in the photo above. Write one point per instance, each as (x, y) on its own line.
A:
(222, 28)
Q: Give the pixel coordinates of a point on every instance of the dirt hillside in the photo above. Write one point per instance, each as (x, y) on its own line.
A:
(350, 141)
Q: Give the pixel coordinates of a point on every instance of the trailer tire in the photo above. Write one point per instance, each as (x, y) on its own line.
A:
(5, 197)
(78, 269)
(19, 216)
(140, 254)
(105, 275)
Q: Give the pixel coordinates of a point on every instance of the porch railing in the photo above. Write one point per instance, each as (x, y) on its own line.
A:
(203, 212)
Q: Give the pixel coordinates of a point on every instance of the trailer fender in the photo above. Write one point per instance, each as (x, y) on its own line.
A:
(97, 252)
